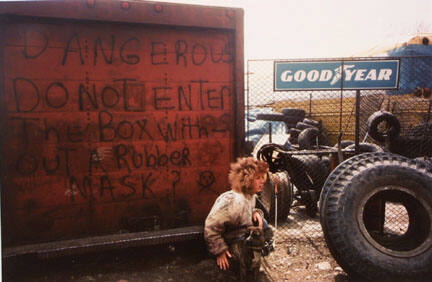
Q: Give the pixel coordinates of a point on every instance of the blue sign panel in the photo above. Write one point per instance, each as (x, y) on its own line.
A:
(319, 75)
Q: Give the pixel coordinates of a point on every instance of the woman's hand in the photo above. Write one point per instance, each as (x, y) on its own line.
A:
(222, 260)
(256, 216)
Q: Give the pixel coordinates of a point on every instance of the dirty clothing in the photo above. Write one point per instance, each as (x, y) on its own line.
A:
(228, 220)
(245, 262)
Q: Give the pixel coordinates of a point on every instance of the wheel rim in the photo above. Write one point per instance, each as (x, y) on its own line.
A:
(396, 221)
(385, 128)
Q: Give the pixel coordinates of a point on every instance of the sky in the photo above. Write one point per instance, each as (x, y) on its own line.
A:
(285, 29)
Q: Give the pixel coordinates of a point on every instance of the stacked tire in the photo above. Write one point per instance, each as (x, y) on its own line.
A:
(302, 131)
(307, 134)
(416, 143)
(289, 116)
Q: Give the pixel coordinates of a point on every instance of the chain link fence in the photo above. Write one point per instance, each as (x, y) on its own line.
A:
(308, 126)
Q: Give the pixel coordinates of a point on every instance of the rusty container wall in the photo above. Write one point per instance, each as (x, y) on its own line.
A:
(115, 116)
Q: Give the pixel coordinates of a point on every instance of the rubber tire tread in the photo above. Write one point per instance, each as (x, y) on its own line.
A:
(349, 248)
(334, 177)
(308, 165)
(317, 170)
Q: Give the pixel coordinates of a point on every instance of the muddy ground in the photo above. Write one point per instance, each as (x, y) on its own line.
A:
(301, 254)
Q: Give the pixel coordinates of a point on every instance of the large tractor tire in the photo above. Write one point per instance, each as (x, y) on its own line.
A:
(334, 177)
(376, 213)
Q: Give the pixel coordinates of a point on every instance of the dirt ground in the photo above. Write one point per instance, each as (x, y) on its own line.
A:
(301, 254)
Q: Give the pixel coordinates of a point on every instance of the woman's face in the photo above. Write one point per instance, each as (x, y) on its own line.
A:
(259, 181)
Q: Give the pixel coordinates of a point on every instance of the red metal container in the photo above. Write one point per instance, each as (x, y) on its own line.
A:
(116, 117)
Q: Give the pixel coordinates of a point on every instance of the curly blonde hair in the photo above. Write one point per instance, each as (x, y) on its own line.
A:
(243, 173)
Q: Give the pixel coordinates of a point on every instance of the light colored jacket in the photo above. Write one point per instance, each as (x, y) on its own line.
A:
(228, 220)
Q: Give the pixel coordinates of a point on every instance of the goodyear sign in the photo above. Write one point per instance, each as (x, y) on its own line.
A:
(336, 75)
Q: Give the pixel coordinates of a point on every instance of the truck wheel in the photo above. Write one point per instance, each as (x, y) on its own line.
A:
(381, 124)
(334, 178)
(386, 187)
(334, 175)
